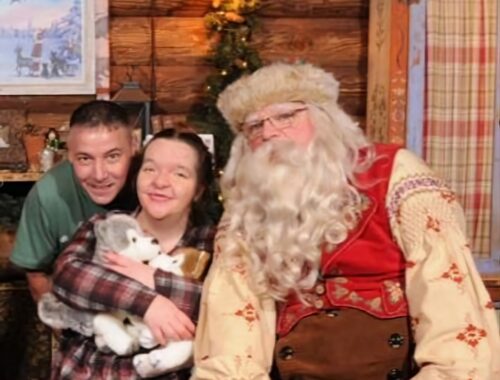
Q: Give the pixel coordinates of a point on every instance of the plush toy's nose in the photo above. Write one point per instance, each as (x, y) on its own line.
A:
(155, 241)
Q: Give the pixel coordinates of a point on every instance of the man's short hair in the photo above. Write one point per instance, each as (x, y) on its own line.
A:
(100, 112)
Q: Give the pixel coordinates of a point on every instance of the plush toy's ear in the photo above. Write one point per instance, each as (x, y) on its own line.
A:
(195, 262)
(100, 228)
(123, 221)
(111, 232)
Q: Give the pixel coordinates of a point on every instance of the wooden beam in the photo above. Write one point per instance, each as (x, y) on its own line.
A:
(321, 41)
(270, 8)
(130, 41)
(398, 73)
(178, 8)
(54, 103)
(357, 9)
(378, 69)
(178, 86)
(185, 40)
(181, 41)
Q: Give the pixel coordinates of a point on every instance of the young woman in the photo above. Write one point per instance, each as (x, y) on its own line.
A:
(174, 183)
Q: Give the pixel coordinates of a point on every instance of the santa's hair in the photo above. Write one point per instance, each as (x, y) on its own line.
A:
(284, 202)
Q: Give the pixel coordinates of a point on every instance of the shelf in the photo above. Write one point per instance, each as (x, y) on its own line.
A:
(8, 176)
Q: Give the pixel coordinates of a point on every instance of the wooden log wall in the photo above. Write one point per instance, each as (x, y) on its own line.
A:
(330, 33)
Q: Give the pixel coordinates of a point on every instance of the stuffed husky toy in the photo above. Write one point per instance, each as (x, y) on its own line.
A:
(118, 331)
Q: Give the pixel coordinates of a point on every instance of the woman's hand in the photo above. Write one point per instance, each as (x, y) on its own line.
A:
(167, 322)
(130, 268)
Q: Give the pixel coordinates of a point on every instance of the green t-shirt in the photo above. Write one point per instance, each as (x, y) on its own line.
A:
(53, 210)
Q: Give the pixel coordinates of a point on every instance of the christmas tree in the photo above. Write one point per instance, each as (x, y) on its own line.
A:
(230, 25)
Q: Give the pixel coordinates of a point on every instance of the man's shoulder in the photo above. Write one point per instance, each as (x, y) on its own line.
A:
(58, 180)
(58, 191)
(61, 171)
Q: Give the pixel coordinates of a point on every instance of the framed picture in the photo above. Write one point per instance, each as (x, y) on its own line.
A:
(49, 46)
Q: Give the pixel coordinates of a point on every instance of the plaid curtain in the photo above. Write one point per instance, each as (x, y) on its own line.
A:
(460, 106)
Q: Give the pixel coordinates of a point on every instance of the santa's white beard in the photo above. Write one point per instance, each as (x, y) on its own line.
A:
(286, 201)
(277, 174)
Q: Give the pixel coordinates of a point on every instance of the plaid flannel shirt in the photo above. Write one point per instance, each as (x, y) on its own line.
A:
(83, 284)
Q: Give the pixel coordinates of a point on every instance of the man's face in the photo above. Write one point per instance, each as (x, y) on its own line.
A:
(101, 159)
(280, 121)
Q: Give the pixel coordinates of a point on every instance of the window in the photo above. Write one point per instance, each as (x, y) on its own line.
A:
(420, 14)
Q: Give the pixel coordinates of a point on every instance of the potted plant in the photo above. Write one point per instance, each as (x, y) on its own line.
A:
(34, 142)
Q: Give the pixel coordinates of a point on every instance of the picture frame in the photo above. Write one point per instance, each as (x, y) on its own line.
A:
(50, 47)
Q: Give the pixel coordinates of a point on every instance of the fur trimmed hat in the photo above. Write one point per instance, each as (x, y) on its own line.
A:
(276, 83)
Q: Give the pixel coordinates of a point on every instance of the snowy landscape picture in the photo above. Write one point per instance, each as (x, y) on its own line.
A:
(47, 47)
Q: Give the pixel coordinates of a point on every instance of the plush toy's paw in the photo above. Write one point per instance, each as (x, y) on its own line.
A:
(168, 263)
(146, 339)
(122, 344)
(101, 344)
(145, 368)
(51, 311)
(137, 329)
(173, 356)
(114, 335)
(142, 366)
(59, 316)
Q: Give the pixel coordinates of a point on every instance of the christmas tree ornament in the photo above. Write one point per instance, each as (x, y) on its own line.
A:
(240, 63)
(234, 17)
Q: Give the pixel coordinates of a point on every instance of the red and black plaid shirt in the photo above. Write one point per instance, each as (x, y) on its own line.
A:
(83, 284)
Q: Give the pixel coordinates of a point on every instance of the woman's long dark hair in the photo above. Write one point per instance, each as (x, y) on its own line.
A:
(206, 209)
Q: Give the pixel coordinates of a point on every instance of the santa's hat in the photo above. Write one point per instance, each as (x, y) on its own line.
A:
(276, 83)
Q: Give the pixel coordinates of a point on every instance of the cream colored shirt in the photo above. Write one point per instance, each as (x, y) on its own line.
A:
(455, 326)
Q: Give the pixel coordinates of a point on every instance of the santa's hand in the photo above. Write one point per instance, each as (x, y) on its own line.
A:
(130, 268)
(167, 322)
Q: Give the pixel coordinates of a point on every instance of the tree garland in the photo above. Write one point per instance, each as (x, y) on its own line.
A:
(230, 24)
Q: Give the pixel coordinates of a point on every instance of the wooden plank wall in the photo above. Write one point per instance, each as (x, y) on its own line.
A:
(330, 33)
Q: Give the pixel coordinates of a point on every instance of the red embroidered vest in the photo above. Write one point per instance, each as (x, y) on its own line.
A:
(366, 271)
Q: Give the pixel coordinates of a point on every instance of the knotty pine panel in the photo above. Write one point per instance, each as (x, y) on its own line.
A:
(184, 40)
(321, 41)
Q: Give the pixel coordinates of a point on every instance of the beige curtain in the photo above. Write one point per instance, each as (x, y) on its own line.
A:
(460, 105)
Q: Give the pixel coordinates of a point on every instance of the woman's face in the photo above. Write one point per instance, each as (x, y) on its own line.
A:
(167, 180)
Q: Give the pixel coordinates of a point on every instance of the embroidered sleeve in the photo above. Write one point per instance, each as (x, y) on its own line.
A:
(236, 330)
(453, 318)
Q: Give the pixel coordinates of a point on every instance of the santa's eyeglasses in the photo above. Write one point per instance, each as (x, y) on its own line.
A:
(286, 119)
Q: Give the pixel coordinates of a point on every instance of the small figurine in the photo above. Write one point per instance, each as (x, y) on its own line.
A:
(46, 158)
(52, 140)
(52, 145)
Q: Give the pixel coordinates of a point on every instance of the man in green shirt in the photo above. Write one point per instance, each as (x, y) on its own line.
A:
(100, 149)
